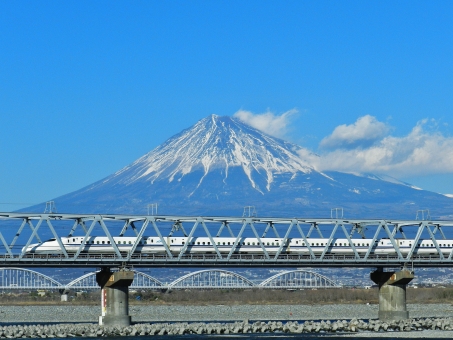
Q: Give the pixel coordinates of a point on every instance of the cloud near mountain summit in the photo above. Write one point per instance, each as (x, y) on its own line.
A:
(268, 122)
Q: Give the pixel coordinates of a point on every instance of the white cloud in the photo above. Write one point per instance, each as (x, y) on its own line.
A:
(420, 152)
(364, 132)
(268, 122)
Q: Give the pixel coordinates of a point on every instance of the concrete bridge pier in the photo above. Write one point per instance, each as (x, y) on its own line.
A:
(392, 293)
(115, 296)
(63, 295)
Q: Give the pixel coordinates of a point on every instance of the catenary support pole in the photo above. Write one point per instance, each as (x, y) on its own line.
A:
(392, 293)
(115, 296)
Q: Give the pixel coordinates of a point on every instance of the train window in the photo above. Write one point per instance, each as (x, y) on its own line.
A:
(297, 242)
(203, 243)
(248, 243)
(152, 240)
(253, 243)
(97, 242)
(183, 242)
(103, 242)
(130, 242)
(223, 243)
(172, 241)
(108, 242)
(73, 240)
(228, 243)
(209, 243)
(317, 244)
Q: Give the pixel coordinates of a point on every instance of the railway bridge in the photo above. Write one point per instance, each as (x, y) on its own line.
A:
(429, 244)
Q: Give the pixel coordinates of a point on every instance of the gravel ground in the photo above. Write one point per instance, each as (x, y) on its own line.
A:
(9, 314)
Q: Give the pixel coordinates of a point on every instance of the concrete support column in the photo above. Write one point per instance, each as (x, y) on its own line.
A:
(392, 293)
(115, 296)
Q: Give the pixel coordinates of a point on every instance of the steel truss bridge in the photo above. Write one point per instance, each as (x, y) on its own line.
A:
(19, 230)
(26, 279)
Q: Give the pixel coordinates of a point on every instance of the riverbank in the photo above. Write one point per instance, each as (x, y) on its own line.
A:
(201, 297)
(143, 313)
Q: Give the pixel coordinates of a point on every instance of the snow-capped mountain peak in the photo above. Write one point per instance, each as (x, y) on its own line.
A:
(217, 142)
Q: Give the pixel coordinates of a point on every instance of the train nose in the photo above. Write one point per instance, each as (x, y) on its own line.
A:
(30, 249)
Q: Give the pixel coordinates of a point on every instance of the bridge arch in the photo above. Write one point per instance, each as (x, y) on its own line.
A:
(298, 279)
(142, 280)
(215, 278)
(88, 281)
(20, 278)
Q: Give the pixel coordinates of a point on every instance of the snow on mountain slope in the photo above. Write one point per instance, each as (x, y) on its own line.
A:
(386, 178)
(217, 143)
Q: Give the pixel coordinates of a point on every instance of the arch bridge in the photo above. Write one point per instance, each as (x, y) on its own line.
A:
(18, 278)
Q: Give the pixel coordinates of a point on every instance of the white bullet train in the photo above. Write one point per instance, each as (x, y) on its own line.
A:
(247, 245)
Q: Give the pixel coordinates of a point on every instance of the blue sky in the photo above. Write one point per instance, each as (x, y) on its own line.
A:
(88, 87)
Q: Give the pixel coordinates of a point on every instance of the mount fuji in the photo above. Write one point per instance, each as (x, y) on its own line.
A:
(220, 165)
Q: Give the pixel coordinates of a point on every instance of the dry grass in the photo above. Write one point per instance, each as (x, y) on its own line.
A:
(236, 297)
